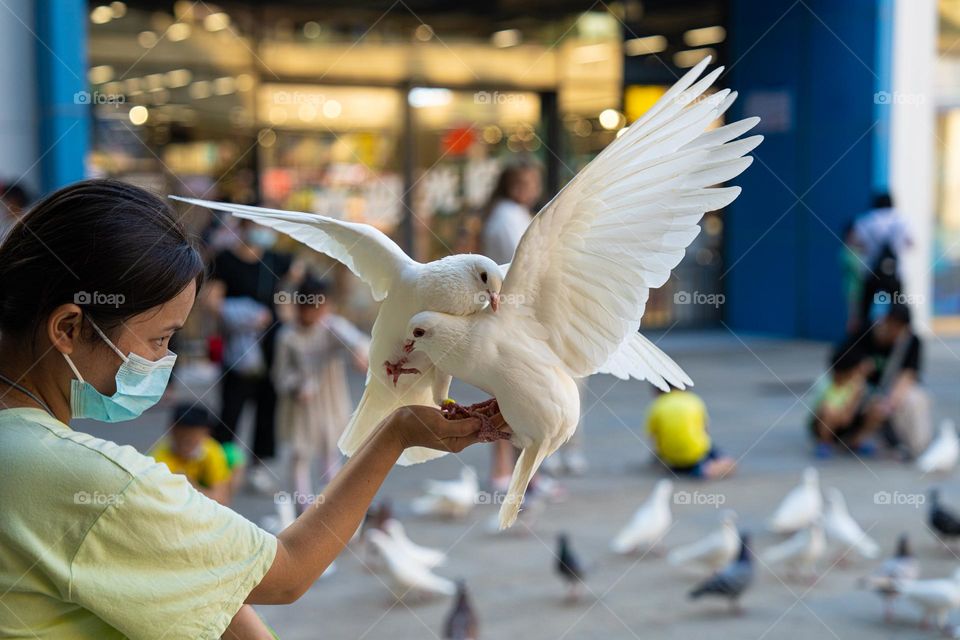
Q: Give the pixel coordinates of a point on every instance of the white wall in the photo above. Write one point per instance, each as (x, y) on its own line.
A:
(913, 136)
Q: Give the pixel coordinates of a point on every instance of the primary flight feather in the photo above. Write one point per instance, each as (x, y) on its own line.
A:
(581, 275)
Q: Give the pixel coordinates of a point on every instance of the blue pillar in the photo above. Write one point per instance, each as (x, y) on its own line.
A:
(809, 69)
(64, 123)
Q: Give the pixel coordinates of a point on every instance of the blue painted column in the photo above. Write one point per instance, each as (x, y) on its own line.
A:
(61, 59)
(809, 69)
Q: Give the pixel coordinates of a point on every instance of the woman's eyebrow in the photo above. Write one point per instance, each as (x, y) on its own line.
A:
(173, 327)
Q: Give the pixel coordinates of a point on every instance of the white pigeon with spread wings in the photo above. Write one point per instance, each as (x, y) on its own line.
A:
(458, 284)
(581, 275)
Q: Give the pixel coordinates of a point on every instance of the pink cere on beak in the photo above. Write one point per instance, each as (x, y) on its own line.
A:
(494, 300)
(408, 346)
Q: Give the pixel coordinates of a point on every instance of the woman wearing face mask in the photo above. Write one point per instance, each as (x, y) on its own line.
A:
(97, 540)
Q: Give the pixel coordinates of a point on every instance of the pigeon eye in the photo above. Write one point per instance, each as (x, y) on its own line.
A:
(418, 333)
(483, 277)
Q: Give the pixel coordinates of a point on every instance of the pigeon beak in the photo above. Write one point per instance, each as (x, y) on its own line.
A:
(494, 300)
(408, 346)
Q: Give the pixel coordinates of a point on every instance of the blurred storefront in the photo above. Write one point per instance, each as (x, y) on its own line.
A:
(946, 262)
(400, 116)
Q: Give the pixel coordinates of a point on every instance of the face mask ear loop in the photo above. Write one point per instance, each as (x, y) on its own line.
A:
(73, 367)
(107, 340)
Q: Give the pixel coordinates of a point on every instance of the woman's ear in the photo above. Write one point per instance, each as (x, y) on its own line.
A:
(63, 327)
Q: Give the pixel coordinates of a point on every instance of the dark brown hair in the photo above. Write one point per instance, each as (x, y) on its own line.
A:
(112, 248)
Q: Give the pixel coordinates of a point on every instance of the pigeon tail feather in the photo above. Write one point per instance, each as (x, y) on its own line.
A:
(527, 465)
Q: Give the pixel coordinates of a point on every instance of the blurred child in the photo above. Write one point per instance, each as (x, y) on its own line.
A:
(190, 450)
(677, 422)
(839, 416)
(310, 377)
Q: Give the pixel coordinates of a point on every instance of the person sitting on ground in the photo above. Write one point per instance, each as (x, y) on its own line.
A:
(677, 422)
(190, 450)
(839, 416)
(897, 401)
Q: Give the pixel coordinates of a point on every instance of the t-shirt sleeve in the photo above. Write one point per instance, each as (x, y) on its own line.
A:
(164, 560)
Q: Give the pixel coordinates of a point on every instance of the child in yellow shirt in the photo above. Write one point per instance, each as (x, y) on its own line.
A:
(191, 451)
(677, 423)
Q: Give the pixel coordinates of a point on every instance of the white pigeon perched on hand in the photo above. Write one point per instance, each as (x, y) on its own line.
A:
(426, 556)
(449, 498)
(582, 273)
(408, 574)
(800, 552)
(842, 529)
(716, 550)
(801, 506)
(458, 285)
(649, 524)
(936, 598)
(942, 454)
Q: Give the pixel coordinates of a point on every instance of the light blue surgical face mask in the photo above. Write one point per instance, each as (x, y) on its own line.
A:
(140, 385)
(262, 237)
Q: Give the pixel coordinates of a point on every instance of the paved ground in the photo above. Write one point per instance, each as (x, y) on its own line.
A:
(754, 389)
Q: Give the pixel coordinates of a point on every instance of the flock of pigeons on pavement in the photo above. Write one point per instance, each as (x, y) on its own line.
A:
(812, 521)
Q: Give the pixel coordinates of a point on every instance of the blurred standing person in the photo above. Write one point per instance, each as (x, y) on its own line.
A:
(885, 237)
(507, 215)
(852, 268)
(311, 381)
(244, 280)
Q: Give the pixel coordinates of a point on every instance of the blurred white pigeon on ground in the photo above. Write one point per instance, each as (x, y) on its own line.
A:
(449, 498)
(843, 530)
(649, 524)
(800, 552)
(408, 575)
(902, 567)
(942, 454)
(801, 506)
(457, 284)
(936, 598)
(582, 273)
(716, 550)
(426, 556)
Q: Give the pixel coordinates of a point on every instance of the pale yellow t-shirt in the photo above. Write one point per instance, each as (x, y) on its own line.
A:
(100, 541)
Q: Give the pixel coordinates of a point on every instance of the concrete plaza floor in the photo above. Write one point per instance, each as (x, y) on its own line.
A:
(755, 390)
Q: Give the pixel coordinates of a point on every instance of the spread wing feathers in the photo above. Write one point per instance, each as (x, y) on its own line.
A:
(366, 251)
(639, 358)
(585, 265)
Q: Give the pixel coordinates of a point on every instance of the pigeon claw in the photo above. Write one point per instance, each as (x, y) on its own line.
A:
(396, 369)
(484, 411)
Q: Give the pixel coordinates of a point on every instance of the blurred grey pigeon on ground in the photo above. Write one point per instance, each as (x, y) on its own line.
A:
(900, 568)
(731, 581)
(569, 568)
(461, 623)
(944, 523)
